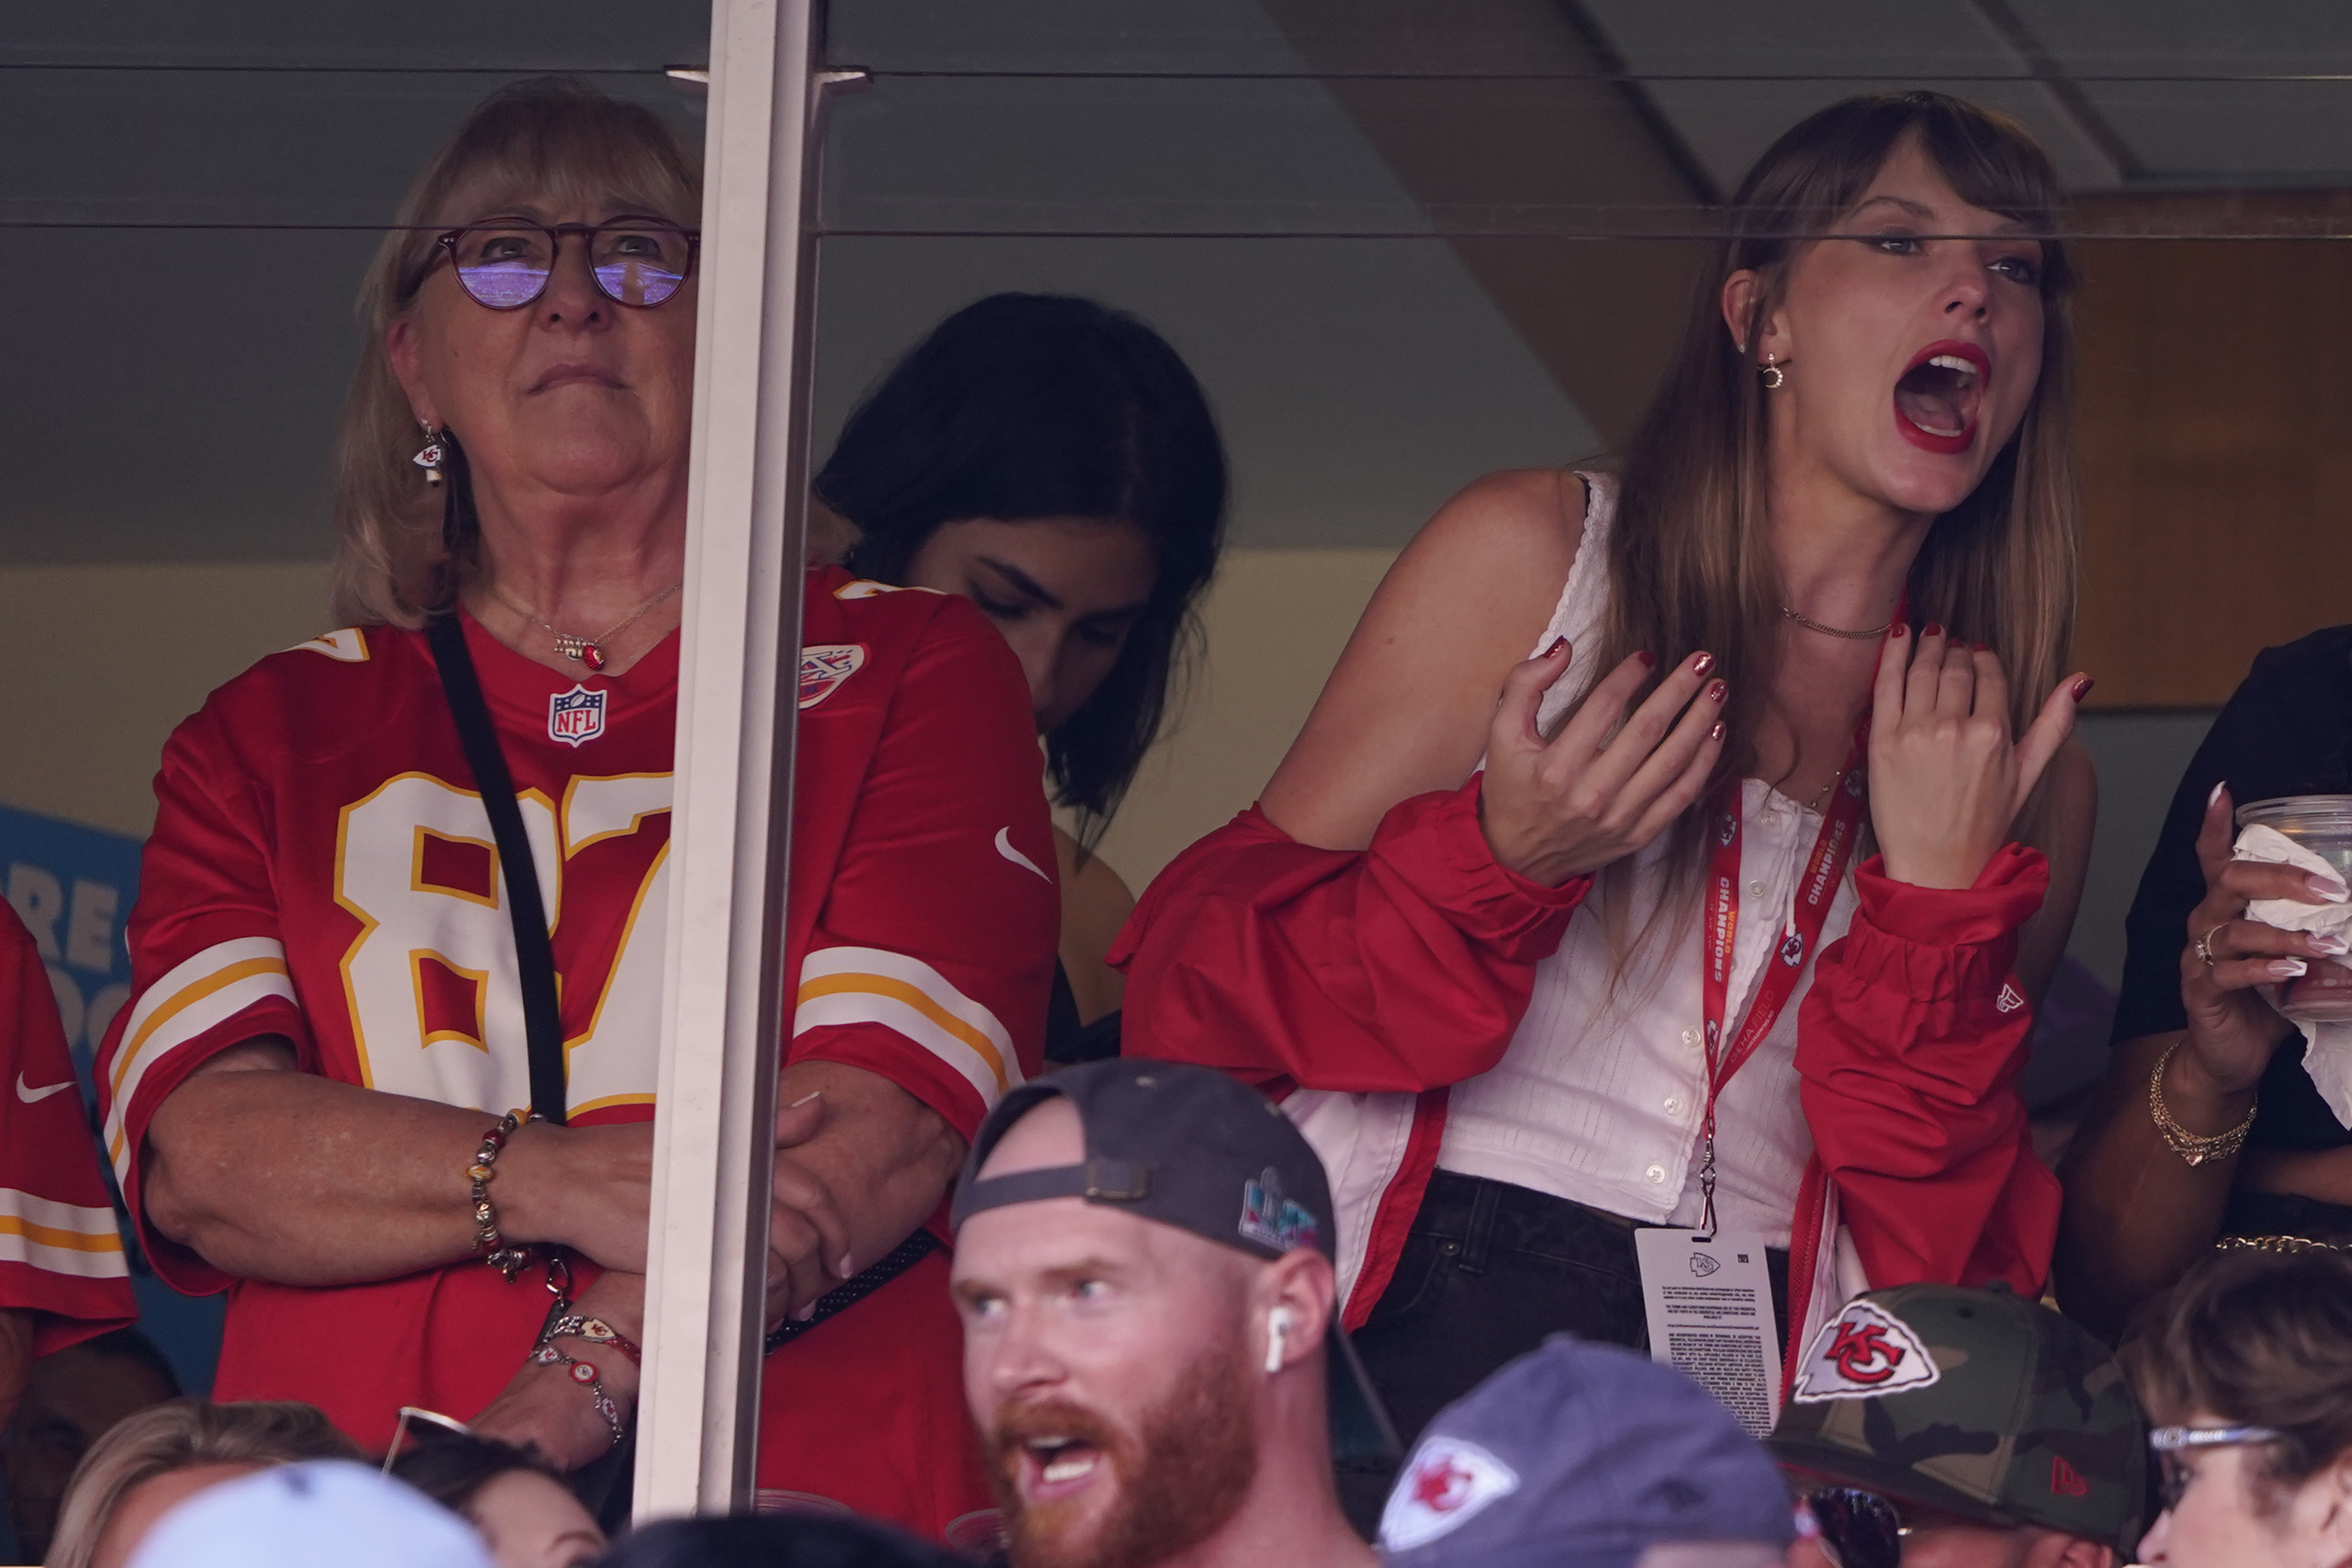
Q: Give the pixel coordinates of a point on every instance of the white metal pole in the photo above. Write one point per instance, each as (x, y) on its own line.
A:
(722, 1019)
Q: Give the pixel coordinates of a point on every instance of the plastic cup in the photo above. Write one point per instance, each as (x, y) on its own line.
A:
(978, 1536)
(2322, 825)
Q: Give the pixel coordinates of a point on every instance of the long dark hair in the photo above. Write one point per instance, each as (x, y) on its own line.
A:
(1690, 560)
(1036, 405)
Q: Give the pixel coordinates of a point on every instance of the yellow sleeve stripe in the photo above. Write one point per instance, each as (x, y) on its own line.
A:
(69, 1252)
(207, 990)
(907, 996)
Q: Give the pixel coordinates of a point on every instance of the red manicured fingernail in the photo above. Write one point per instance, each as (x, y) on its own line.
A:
(1648, 660)
(1933, 628)
(1716, 733)
(2083, 687)
(1718, 691)
(1981, 647)
(1898, 630)
(1557, 644)
(1702, 663)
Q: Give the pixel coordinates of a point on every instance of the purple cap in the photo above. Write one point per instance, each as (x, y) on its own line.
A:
(1581, 1455)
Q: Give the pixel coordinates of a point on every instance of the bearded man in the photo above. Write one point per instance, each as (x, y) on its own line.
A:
(1144, 1268)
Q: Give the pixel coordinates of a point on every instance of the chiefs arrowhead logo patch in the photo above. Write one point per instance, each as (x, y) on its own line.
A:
(1448, 1482)
(825, 666)
(1866, 1350)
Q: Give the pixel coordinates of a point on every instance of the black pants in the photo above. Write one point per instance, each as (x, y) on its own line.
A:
(1489, 1272)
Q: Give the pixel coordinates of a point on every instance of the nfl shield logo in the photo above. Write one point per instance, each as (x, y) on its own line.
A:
(576, 717)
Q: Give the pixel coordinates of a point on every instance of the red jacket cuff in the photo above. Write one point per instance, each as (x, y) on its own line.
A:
(2005, 895)
(1433, 843)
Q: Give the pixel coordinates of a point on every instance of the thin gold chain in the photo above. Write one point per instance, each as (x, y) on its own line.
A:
(1837, 630)
(598, 640)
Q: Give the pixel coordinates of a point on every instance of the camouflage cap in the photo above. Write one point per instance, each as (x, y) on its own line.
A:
(1975, 1402)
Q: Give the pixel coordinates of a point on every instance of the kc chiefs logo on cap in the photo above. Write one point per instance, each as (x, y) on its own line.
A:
(1449, 1481)
(1866, 1350)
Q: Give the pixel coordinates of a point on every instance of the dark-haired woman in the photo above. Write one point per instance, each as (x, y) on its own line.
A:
(1055, 463)
(2246, 1374)
(517, 1502)
(1601, 957)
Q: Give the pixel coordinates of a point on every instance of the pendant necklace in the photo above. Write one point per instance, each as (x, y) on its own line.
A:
(588, 651)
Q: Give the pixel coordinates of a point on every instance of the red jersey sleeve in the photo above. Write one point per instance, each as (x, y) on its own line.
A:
(1405, 967)
(932, 955)
(208, 962)
(1908, 1049)
(60, 1254)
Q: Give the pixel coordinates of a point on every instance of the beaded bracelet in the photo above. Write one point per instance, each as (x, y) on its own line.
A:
(2195, 1148)
(583, 1372)
(507, 1260)
(595, 1330)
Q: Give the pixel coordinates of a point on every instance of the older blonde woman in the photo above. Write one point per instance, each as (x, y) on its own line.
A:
(342, 1004)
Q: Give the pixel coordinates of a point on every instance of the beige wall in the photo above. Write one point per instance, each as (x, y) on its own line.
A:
(1276, 621)
(103, 660)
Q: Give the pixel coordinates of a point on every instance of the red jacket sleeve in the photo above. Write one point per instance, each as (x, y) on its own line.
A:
(60, 1254)
(1401, 967)
(1908, 1049)
(932, 955)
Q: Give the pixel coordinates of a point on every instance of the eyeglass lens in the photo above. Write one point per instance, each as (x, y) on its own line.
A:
(1859, 1528)
(507, 267)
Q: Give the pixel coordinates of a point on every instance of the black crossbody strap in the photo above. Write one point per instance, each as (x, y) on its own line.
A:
(534, 954)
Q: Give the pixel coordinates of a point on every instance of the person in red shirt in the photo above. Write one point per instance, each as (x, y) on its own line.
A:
(304, 1096)
(63, 1278)
(1561, 918)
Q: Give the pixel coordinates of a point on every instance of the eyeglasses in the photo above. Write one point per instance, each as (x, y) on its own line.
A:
(639, 262)
(1863, 1530)
(2172, 1481)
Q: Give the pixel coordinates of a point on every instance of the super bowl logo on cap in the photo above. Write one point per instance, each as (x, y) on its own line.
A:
(825, 666)
(1866, 1350)
(1448, 1482)
(1272, 1219)
(576, 717)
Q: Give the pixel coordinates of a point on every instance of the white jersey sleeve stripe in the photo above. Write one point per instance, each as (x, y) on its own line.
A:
(61, 1252)
(873, 985)
(75, 1219)
(208, 990)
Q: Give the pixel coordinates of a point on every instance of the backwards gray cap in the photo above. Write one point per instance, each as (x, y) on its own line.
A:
(1191, 1147)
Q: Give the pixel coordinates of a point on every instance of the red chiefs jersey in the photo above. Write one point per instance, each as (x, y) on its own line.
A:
(323, 869)
(60, 1254)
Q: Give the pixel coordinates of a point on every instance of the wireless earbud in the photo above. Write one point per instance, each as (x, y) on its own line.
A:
(1278, 1331)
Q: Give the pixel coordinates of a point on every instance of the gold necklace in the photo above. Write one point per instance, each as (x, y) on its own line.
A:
(588, 651)
(1837, 630)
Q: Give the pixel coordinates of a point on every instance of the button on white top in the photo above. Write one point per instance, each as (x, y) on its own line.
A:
(1655, 1175)
(1756, 889)
(1691, 1038)
(1674, 1105)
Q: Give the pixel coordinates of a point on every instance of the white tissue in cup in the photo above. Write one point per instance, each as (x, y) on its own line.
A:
(2312, 833)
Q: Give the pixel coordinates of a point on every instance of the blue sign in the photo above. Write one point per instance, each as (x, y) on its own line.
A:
(74, 887)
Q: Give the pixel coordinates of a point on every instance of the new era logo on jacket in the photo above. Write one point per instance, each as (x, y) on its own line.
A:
(1448, 1482)
(1866, 1350)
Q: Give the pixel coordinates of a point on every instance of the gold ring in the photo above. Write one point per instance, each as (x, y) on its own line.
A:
(2205, 945)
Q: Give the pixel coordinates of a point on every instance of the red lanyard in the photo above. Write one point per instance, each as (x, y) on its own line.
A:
(1824, 870)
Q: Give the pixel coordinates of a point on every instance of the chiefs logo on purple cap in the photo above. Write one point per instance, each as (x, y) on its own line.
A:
(1450, 1480)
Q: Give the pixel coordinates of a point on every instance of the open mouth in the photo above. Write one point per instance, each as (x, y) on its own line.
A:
(1058, 1466)
(1937, 397)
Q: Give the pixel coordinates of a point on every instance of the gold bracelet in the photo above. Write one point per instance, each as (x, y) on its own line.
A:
(2195, 1148)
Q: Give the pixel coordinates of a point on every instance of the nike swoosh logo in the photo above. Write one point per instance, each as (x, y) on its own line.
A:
(32, 1096)
(1004, 847)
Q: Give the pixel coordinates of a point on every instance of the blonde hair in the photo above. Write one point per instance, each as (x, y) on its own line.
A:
(1690, 561)
(551, 136)
(180, 1434)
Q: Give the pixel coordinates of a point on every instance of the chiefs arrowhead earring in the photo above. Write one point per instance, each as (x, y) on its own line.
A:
(429, 458)
(1772, 373)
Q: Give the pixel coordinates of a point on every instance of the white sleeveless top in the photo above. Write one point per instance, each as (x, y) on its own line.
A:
(1600, 1096)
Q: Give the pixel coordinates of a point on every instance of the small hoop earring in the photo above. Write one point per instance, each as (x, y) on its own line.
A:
(430, 455)
(1773, 375)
